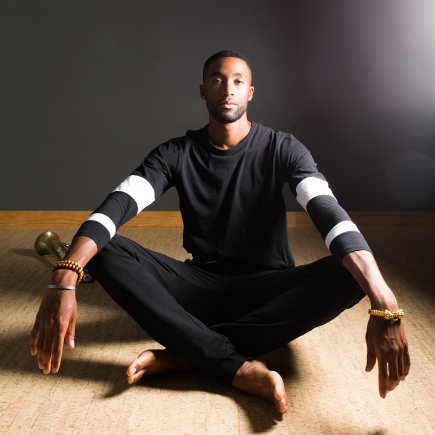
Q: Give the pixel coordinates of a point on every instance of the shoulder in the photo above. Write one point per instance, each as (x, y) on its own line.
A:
(172, 148)
(285, 144)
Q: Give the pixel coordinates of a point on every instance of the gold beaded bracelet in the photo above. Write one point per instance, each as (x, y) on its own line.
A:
(68, 264)
(397, 315)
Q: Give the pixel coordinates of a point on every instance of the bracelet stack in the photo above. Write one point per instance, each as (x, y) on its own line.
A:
(68, 264)
(396, 315)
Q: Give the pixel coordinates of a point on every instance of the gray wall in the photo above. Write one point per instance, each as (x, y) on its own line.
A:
(88, 88)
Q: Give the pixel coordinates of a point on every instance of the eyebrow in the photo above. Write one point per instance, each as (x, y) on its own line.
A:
(219, 73)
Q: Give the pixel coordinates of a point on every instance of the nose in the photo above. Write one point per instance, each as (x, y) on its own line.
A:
(228, 90)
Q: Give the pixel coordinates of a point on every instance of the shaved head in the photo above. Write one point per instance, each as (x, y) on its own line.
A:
(220, 55)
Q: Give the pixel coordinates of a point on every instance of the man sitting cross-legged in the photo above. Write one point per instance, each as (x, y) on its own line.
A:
(241, 295)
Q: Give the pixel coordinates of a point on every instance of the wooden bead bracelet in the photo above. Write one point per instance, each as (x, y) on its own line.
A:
(68, 264)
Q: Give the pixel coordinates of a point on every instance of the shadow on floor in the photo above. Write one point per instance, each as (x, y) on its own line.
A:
(17, 361)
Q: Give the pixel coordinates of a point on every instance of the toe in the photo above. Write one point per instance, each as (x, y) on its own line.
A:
(278, 386)
(143, 360)
(279, 394)
(131, 370)
(281, 406)
(134, 378)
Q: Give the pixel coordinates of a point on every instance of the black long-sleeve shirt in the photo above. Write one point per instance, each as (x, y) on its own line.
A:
(231, 200)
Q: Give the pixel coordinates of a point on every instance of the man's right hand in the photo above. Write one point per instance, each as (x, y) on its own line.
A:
(57, 315)
(55, 321)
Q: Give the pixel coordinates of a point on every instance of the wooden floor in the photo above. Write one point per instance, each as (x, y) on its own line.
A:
(328, 389)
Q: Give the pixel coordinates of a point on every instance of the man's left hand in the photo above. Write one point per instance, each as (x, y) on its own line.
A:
(387, 343)
(386, 340)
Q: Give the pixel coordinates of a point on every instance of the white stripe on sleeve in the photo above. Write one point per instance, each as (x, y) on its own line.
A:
(340, 228)
(105, 221)
(139, 189)
(309, 188)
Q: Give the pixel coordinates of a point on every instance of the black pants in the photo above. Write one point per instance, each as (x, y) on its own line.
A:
(216, 316)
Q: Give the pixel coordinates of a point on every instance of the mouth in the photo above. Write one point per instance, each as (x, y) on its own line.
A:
(227, 104)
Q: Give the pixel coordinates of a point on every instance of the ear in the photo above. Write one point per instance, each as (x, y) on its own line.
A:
(251, 93)
(201, 91)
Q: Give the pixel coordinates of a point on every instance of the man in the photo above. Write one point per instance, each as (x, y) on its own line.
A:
(241, 296)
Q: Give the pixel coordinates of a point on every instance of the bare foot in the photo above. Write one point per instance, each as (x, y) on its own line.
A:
(156, 361)
(254, 377)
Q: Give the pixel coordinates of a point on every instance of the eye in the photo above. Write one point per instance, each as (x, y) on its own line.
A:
(239, 82)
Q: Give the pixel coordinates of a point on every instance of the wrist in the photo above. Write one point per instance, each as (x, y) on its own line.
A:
(63, 277)
(383, 300)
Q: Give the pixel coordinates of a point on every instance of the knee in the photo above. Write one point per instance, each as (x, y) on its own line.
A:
(102, 259)
(95, 264)
(344, 279)
(356, 293)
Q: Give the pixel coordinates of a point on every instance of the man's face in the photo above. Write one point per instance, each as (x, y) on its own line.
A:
(227, 89)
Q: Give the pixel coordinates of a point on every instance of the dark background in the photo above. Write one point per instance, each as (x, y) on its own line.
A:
(88, 88)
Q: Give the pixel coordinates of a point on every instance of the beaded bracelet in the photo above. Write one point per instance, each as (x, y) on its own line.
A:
(68, 264)
(396, 315)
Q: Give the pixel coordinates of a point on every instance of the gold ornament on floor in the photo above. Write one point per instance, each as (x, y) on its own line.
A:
(396, 315)
(48, 243)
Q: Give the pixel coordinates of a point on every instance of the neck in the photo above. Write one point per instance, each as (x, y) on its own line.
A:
(226, 136)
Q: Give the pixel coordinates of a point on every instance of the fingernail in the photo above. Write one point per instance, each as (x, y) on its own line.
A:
(41, 366)
(72, 343)
(133, 371)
